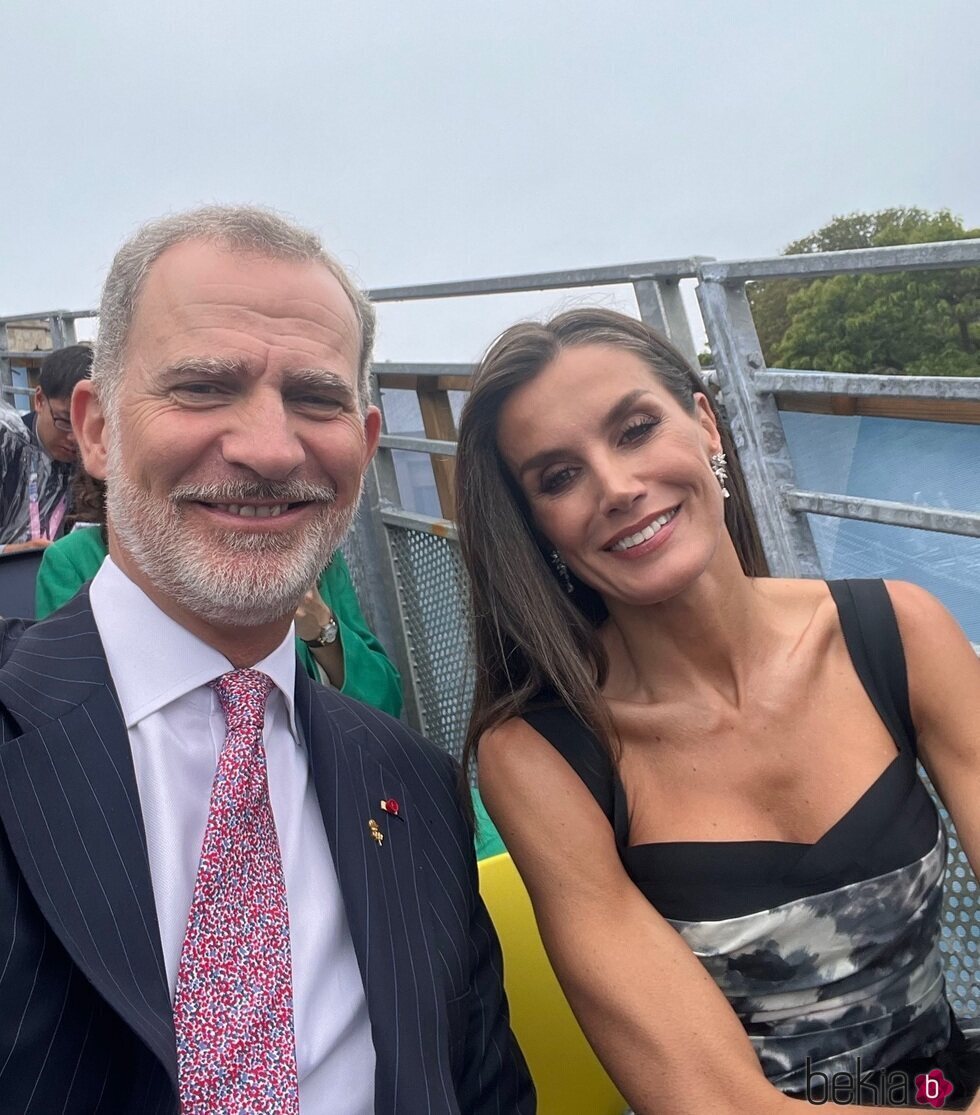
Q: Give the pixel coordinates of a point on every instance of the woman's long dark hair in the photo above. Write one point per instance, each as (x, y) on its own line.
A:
(530, 637)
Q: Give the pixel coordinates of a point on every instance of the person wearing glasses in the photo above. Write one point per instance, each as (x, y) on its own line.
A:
(37, 455)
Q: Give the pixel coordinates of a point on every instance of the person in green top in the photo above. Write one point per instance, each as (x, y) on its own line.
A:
(353, 661)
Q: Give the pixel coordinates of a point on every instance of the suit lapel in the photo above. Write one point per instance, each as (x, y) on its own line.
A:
(70, 805)
(387, 910)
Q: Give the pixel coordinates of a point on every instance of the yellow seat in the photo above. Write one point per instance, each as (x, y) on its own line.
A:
(567, 1074)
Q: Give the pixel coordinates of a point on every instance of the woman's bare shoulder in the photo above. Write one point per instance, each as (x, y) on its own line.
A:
(513, 749)
(938, 655)
(520, 768)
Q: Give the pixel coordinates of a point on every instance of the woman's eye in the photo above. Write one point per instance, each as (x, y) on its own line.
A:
(554, 481)
(638, 429)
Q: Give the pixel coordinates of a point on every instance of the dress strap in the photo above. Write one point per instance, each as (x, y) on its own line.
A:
(581, 749)
(867, 619)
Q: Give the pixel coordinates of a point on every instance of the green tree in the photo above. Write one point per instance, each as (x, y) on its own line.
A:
(911, 323)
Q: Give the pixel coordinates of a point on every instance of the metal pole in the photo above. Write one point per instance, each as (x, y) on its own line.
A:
(6, 377)
(661, 307)
(380, 493)
(758, 432)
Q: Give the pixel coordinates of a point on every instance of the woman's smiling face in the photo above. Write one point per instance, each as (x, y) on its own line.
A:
(616, 472)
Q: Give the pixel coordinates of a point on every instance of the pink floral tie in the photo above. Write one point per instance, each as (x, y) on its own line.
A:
(233, 1010)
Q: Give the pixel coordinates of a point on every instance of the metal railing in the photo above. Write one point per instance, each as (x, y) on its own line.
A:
(425, 584)
(428, 629)
(58, 327)
(406, 565)
(752, 394)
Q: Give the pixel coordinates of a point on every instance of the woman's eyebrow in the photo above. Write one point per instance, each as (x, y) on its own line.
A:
(615, 415)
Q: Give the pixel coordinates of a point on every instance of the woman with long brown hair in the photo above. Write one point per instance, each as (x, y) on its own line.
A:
(706, 776)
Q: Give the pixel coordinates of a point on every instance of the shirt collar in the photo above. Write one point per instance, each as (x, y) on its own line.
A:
(153, 660)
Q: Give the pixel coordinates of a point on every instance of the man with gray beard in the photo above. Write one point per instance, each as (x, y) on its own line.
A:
(224, 888)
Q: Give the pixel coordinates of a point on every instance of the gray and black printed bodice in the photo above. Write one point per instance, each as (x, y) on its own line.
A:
(854, 971)
(828, 951)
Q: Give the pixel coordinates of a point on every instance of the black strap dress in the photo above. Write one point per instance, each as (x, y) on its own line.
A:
(828, 952)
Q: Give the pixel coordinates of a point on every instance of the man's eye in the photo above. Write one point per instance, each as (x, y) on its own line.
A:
(318, 402)
(200, 389)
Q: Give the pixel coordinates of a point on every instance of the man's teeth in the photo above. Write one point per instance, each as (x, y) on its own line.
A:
(251, 511)
(645, 534)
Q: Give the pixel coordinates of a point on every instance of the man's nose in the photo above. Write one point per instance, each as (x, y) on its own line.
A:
(262, 438)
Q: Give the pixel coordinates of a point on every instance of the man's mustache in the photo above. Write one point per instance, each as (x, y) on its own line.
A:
(244, 491)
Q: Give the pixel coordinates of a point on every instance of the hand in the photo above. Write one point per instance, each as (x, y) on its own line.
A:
(311, 615)
(33, 544)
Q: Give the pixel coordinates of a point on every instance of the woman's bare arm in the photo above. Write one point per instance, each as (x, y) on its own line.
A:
(944, 693)
(656, 1019)
(658, 1022)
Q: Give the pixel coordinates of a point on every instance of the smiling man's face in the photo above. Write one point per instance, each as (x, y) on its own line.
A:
(235, 455)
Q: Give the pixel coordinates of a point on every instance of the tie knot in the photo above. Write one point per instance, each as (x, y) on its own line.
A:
(243, 694)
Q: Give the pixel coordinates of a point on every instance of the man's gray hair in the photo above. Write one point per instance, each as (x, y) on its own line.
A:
(240, 228)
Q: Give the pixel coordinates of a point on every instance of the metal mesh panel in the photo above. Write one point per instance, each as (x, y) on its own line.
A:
(431, 585)
(356, 557)
(432, 589)
(961, 932)
(960, 940)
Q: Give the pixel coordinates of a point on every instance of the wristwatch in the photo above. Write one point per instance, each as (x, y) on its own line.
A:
(327, 634)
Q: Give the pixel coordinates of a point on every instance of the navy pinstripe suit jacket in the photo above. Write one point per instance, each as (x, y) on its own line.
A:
(85, 1016)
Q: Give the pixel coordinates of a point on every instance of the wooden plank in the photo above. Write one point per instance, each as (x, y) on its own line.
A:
(403, 382)
(25, 359)
(438, 423)
(961, 411)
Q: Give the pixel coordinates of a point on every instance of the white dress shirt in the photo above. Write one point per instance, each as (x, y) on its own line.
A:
(176, 730)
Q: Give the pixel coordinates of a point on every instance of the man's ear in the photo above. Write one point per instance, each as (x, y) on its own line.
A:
(372, 431)
(706, 419)
(90, 427)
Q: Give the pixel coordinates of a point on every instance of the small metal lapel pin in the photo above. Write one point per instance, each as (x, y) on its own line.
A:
(376, 833)
(389, 805)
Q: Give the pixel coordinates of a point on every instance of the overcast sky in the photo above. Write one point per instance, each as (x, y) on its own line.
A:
(430, 141)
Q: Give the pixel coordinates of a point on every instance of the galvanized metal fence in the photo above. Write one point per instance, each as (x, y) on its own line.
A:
(26, 338)
(406, 565)
(420, 580)
(420, 574)
(419, 577)
(752, 393)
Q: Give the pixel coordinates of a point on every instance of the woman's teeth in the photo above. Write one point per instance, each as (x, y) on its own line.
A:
(645, 534)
